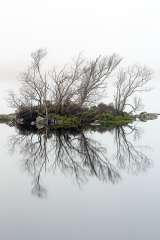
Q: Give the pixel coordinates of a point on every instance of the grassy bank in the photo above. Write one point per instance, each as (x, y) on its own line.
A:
(6, 118)
(110, 120)
(105, 120)
(86, 119)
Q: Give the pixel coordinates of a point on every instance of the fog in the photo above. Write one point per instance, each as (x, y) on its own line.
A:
(65, 28)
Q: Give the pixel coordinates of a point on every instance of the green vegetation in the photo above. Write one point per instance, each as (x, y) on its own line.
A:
(110, 120)
(91, 118)
(102, 115)
(65, 121)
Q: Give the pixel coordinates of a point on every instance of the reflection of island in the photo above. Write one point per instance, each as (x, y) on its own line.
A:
(77, 154)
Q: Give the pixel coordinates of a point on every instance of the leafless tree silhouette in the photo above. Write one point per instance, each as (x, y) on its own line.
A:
(129, 82)
(81, 83)
(94, 76)
(34, 86)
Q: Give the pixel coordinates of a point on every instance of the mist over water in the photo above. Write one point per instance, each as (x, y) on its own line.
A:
(68, 185)
(65, 29)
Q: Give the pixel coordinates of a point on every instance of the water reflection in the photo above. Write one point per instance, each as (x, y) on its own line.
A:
(78, 154)
(128, 155)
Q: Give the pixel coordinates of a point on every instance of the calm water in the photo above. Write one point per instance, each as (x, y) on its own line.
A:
(86, 185)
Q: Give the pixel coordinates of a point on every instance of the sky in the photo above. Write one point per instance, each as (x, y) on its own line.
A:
(65, 28)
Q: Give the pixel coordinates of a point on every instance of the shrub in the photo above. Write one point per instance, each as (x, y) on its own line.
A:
(104, 108)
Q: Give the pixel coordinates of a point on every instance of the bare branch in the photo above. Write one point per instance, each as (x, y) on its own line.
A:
(129, 82)
(95, 74)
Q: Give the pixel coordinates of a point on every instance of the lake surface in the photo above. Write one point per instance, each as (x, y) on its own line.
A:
(85, 185)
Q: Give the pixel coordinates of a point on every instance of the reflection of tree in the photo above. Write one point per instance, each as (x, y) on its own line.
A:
(83, 157)
(128, 155)
(77, 154)
(33, 148)
(38, 189)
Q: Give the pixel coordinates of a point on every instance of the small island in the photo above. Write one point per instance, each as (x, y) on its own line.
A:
(70, 97)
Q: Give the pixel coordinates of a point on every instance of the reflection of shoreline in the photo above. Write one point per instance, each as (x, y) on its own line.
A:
(74, 153)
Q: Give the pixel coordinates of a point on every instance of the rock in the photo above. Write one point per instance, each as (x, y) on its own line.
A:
(51, 122)
(55, 122)
(144, 116)
(59, 122)
(41, 122)
(33, 123)
(95, 123)
(20, 121)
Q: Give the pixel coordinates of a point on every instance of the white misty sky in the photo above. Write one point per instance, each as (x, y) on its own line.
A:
(65, 28)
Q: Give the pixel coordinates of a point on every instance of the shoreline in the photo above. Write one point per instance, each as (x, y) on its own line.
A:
(105, 120)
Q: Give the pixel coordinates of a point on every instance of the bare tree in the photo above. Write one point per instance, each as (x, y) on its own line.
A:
(129, 82)
(64, 83)
(14, 101)
(81, 83)
(93, 79)
(34, 83)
